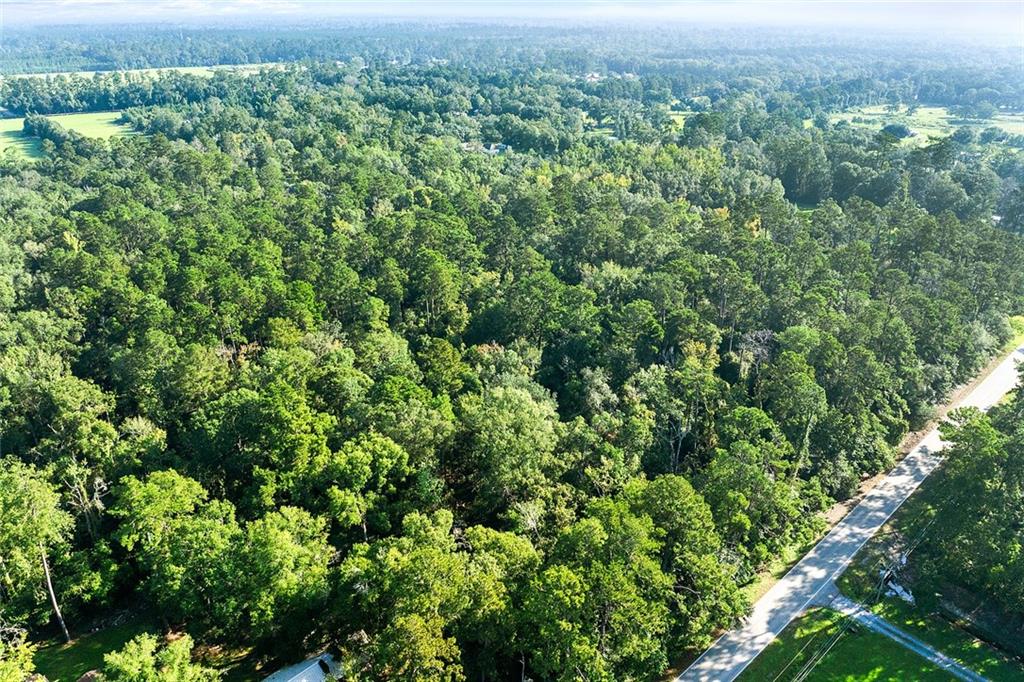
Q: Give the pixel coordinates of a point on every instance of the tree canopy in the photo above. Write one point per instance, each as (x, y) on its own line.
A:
(478, 359)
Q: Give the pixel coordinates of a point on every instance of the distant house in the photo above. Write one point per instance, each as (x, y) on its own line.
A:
(497, 148)
(313, 670)
(491, 148)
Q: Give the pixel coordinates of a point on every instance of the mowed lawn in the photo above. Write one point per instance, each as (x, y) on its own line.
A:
(13, 138)
(858, 654)
(61, 662)
(101, 124)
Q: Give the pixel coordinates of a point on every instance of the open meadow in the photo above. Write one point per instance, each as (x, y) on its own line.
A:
(101, 125)
(925, 122)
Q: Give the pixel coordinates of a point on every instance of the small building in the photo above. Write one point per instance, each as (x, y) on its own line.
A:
(312, 670)
(491, 148)
(497, 148)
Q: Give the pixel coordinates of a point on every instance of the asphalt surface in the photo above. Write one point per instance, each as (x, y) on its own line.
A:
(883, 627)
(789, 597)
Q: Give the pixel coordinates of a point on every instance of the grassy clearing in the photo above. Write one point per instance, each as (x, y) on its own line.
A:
(14, 139)
(1011, 123)
(236, 665)
(926, 122)
(858, 655)
(679, 117)
(101, 124)
(97, 124)
(61, 662)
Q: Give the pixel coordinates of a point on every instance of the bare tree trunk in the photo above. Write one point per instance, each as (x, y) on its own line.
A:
(53, 595)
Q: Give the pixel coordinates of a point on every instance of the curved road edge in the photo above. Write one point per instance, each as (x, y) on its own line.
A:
(788, 598)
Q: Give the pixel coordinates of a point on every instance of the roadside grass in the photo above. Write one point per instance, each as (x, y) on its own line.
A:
(1017, 324)
(778, 568)
(102, 124)
(859, 581)
(61, 662)
(859, 654)
(950, 640)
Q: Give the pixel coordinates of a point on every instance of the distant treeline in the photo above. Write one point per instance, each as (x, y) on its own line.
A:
(837, 71)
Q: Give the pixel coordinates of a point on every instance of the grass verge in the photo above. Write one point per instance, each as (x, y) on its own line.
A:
(910, 521)
(859, 654)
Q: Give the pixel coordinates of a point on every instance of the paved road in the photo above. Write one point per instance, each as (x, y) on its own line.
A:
(788, 598)
(852, 609)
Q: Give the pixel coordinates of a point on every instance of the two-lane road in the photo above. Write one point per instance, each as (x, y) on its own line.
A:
(788, 598)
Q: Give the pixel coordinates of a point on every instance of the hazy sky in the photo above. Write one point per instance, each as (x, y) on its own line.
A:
(956, 17)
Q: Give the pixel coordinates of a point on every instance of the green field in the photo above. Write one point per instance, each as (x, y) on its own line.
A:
(99, 124)
(926, 122)
(858, 654)
(14, 139)
(679, 117)
(1011, 123)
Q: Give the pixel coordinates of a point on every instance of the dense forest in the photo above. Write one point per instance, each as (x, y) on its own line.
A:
(465, 357)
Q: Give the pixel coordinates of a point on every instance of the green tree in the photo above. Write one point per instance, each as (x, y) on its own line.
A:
(511, 438)
(407, 594)
(706, 595)
(281, 572)
(146, 659)
(184, 544)
(16, 654)
(32, 526)
(601, 608)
